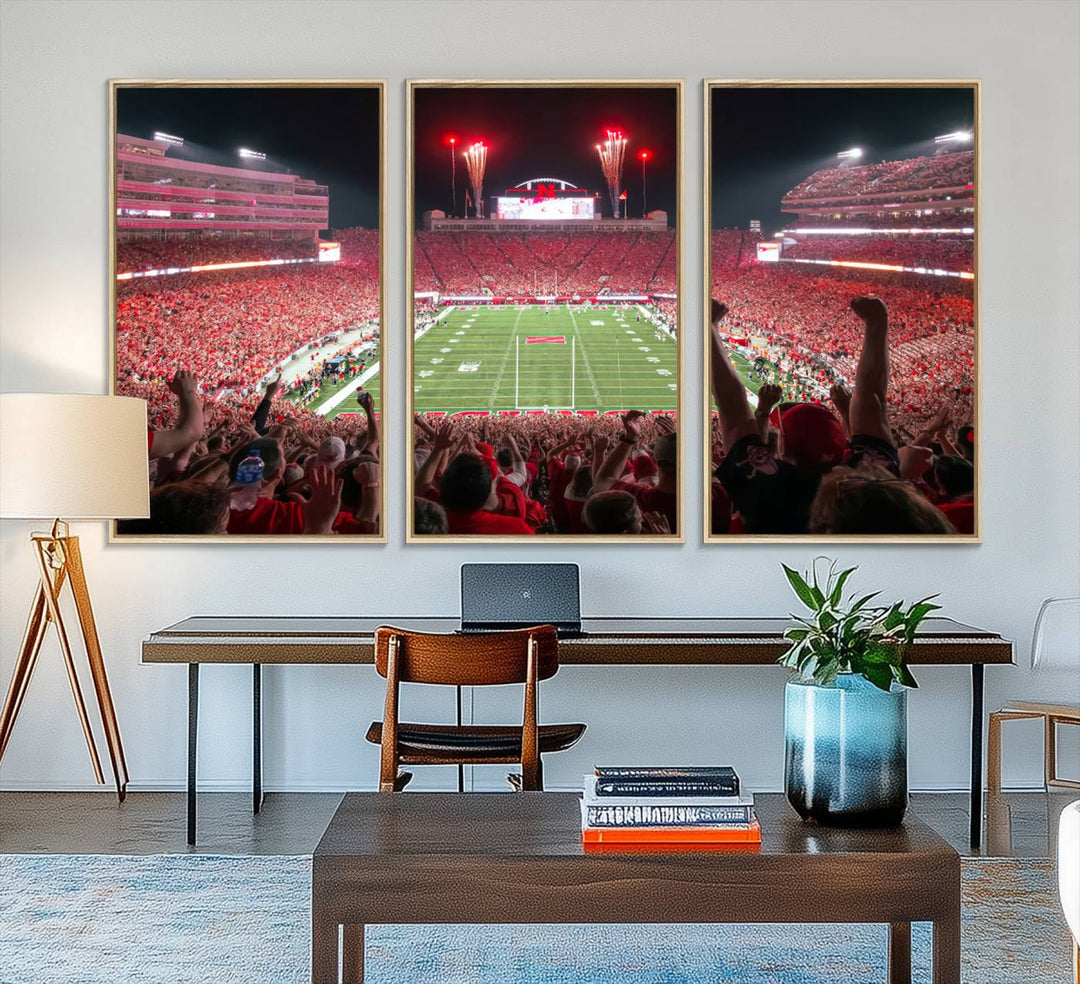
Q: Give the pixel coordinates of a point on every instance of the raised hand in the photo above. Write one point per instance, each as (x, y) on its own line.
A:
(915, 462)
(941, 421)
(324, 503)
(443, 436)
(719, 309)
(632, 424)
(184, 383)
(366, 400)
(274, 387)
(871, 310)
(768, 397)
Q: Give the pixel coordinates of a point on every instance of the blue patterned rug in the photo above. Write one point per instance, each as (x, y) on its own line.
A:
(174, 919)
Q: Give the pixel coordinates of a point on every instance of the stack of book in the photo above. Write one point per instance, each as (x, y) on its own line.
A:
(688, 806)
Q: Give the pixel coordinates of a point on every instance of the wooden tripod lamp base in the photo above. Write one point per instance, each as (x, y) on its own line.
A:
(59, 561)
(104, 476)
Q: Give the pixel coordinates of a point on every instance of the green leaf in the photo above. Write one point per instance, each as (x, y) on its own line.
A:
(880, 676)
(893, 617)
(903, 676)
(800, 587)
(838, 589)
(863, 601)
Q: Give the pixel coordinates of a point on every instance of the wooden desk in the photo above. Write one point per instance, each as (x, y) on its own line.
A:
(604, 641)
(517, 858)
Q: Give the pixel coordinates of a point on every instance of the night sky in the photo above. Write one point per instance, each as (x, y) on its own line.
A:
(766, 141)
(549, 132)
(330, 135)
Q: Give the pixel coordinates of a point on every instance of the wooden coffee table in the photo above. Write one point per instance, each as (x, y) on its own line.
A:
(517, 858)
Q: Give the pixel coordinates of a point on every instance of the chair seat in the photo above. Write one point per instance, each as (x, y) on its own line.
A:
(473, 743)
(1047, 710)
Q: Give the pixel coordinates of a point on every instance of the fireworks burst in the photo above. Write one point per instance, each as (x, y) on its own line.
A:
(476, 163)
(612, 152)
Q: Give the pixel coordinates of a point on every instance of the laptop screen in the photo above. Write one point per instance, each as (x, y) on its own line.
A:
(515, 595)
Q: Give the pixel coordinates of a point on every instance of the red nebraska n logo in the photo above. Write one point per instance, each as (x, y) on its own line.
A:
(545, 191)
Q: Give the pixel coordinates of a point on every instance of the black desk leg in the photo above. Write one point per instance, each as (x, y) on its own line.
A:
(976, 753)
(192, 748)
(256, 738)
(461, 767)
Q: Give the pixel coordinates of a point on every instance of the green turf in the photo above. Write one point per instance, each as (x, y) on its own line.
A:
(478, 359)
(349, 404)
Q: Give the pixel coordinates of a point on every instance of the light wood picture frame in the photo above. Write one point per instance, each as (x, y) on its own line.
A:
(853, 190)
(238, 276)
(565, 124)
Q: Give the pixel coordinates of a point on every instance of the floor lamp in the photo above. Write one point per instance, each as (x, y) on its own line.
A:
(77, 457)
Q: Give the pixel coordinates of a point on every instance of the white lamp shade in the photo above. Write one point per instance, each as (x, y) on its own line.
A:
(73, 456)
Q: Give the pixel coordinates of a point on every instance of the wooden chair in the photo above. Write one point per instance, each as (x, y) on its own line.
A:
(485, 659)
(1058, 619)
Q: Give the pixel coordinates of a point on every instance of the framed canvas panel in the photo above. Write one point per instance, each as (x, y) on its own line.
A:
(544, 280)
(246, 254)
(841, 294)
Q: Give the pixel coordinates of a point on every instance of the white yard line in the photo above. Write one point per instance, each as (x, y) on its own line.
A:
(585, 357)
(506, 359)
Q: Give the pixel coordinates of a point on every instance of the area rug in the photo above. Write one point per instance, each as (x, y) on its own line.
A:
(174, 919)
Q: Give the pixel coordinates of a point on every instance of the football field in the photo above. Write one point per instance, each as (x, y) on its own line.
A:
(530, 358)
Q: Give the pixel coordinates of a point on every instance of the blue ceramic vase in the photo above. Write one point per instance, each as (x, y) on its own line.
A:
(846, 752)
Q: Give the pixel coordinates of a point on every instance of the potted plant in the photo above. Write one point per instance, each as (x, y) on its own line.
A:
(845, 714)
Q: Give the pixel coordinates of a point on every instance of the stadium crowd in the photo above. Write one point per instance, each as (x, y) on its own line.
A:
(524, 264)
(198, 348)
(543, 473)
(145, 253)
(913, 174)
(319, 475)
(788, 467)
(234, 327)
(801, 317)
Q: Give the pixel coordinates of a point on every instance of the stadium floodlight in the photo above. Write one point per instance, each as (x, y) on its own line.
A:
(453, 177)
(168, 138)
(252, 155)
(644, 155)
(854, 154)
(957, 136)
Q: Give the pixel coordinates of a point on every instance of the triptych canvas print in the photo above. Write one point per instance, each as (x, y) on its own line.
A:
(546, 310)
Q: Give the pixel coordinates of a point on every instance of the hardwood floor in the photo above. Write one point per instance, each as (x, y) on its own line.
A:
(1021, 824)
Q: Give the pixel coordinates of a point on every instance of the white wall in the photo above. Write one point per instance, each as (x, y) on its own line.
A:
(55, 60)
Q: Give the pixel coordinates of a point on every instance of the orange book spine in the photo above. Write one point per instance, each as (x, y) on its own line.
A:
(750, 834)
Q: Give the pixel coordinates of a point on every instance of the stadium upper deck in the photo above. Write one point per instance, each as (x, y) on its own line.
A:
(155, 192)
(940, 184)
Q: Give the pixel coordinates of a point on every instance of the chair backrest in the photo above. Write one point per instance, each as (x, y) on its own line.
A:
(469, 660)
(1055, 643)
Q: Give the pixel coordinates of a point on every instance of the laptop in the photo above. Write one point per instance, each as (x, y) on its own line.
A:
(496, 597)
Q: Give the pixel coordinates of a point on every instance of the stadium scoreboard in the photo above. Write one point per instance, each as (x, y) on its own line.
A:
(545, 201)
(768, 252)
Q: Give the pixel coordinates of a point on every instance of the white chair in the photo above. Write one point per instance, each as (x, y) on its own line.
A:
(1055, 645)
(1069, 875)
